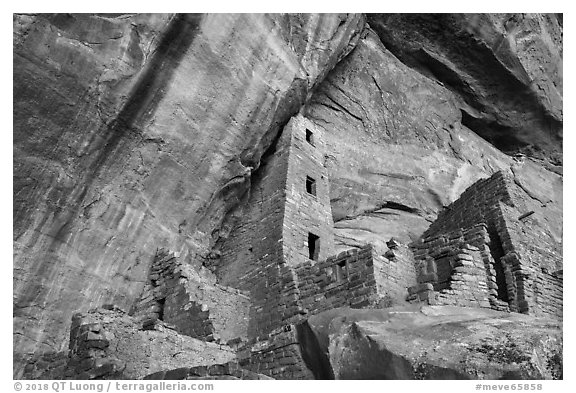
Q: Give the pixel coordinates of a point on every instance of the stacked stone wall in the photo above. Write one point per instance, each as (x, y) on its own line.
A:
(518, 252)
(533, 256)
(549, 294)
(306, 213)
(394, 272)
(261, 252)
(230, 371)
(89, 358)
(457, 262)
(343, 280)
(177, 295)
(278, 355)
(107, 343)
(478, 204)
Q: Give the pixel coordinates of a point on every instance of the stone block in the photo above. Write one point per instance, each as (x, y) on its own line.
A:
(177, 374)
(96, 344)
(420, 288)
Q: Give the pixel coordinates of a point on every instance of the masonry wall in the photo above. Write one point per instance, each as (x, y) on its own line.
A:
(343, 280)
(107, 343)
(357, 278)
(196, 307)
(518, 252)
(229, 371)
(256, 238)
(271, 238)
(278, 355)
(478, 204)
(460, 260)
(394, 273)
(534, 288)
(252, 255)
(461, 280)
(306, 213)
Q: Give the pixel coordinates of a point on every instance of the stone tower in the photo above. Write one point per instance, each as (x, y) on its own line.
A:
(286, 222)
(308, 228)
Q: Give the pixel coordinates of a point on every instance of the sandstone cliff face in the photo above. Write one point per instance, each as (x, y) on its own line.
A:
(135, 132)
(399, 147)
(505, 70)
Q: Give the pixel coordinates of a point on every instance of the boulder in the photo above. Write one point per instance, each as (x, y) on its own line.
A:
(438, 342)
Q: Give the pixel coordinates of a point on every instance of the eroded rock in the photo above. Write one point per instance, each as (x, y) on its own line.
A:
(438, 342)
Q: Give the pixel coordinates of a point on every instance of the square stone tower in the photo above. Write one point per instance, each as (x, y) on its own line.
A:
(286, 222)
(308, 227)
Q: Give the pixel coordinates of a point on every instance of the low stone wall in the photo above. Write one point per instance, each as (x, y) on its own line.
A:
(343, 280)
(394, 272)
(278, 355)
(178, 295)
(107, 343)
(230, 370)
(45, 366)
(357, 278)
(549, 292)
(467, 284)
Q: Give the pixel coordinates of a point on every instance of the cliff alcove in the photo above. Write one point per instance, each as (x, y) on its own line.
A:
(224, 182)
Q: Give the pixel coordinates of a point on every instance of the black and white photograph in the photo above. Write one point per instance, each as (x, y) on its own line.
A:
(287, 196)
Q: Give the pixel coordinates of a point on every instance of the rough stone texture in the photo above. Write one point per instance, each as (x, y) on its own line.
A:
(505, 69)
(472, 251)
(278, 354)
(526, 256)
(160, 163)
(358, 278)
(133, 132)
(270, 236)
(109, 344)
(398, 149)
(226, 371)
(195, 305)
(438, 342)
(394, 272)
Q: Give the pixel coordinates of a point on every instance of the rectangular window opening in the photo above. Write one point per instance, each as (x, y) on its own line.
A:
(341, 271)
(313, 246)
(161, 305)
(310, 137)
(310, 185)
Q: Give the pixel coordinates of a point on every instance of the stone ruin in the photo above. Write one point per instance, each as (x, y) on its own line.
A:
(276, 267)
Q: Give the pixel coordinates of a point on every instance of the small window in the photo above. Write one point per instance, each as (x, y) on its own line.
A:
(310, 185)
(313, 246)
(309, 137)
(341, 271)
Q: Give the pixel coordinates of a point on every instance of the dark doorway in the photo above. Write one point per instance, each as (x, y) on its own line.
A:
(497, 252)
(313, 246)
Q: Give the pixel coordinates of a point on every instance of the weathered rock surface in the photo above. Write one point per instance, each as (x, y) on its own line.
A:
(110, 344)
(438, 342)
(133, 132)
(228, 371)
(506, 70)
(138, 132)
(399, 149)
